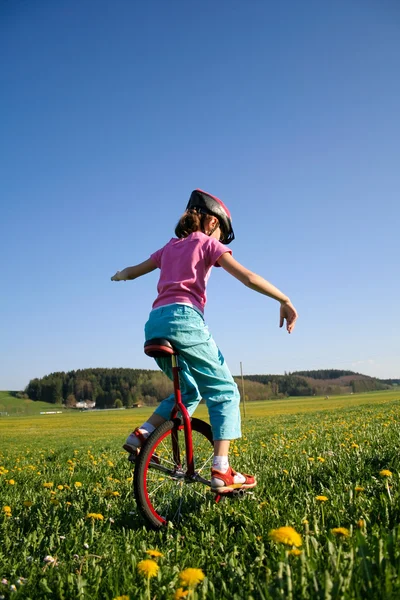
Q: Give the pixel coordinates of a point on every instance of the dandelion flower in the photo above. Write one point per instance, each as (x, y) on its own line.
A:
(320, 459)
(60, 487)
(6, 509)
(148, 568)
(286, 535)
(121, 598)
(49, 484)
(191, 577)
(154, 553)
(359, 488)
(78, 484)
(385, 473)
(294, 552)
(341, 531)
(321, 498)
(360, 523)
(180, 593)
(95, 516)
(110, 493)
(11, 481)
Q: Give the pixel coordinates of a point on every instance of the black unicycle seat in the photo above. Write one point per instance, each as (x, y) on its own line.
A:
(159, 347)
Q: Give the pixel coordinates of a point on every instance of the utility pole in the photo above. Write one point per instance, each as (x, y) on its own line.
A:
(243, 396)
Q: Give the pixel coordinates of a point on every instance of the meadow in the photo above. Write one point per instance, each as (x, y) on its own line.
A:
(328, 472)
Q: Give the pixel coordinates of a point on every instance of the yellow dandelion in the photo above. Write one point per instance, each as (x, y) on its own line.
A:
(48, 485)
(294, 552)
(361, 523)
(28, 503)
(385, 473)
(320, 459)
(359, 488)
(60, 487)
(95, 516)
(148, 568)
(354, 445)
(110, 493)
(321, 498)
(110, 463)
(121, 598)
(286, 471)
(180, 593)
(286, 535)
(7, 509)
(11, 481)
(191, 577)
(154, 553)
(341, 531)
(78, 484)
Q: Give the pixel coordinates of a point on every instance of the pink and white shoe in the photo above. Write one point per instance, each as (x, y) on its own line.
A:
(134, 441)
(223, 483)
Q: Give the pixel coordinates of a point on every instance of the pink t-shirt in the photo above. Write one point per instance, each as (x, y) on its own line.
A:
(185, 268)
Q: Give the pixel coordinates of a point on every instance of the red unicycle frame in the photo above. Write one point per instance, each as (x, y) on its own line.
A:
(168, 477)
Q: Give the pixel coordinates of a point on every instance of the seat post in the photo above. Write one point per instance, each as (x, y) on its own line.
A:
(179, 406)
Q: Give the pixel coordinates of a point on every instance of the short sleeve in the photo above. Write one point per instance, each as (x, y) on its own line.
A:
(156, 256)
(215, 250)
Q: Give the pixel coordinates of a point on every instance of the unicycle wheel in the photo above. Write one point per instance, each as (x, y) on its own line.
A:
(162, 489)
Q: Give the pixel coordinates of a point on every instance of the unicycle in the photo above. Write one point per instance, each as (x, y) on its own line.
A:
(173, 465)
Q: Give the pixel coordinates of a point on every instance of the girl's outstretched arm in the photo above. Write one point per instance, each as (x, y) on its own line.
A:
(136, 271)
(261, 285)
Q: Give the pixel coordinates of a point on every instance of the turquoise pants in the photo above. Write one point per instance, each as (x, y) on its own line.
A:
(204, 372)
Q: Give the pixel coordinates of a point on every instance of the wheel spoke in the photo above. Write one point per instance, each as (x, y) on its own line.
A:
(163, 491)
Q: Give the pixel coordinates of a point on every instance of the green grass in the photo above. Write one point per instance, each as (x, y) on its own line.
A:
(298, 448)
(21, 407)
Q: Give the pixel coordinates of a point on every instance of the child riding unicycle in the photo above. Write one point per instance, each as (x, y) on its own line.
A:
(202, 235)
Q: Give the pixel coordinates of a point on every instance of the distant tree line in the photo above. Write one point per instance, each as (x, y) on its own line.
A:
(324, 381)
(107, 387)
(325, 373)
(131, 387)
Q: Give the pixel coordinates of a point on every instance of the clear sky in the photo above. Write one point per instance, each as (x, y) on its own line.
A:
(113, 111)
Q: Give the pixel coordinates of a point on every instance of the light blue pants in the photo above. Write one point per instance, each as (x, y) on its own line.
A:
(204, 372)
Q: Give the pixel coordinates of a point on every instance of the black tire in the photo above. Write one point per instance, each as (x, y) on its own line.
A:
(163, 493)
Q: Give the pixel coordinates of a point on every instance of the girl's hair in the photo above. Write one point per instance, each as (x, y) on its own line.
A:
(189, 222)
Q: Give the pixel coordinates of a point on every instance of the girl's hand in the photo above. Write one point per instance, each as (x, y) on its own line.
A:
(289, 313)
(117, 277)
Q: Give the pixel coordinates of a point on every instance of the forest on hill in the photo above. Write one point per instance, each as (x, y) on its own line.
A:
(119, 387)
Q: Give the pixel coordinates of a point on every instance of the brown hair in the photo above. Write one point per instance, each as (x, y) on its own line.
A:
(189, 222)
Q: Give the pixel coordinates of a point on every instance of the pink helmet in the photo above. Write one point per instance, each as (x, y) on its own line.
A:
(205, 203)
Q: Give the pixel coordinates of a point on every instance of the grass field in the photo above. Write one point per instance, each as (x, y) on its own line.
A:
(20, 407)
(329, 469)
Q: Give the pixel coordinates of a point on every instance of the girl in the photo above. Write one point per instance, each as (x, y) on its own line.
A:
(185, 262)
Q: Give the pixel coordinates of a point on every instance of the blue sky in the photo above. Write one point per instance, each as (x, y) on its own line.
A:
(112, 112)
